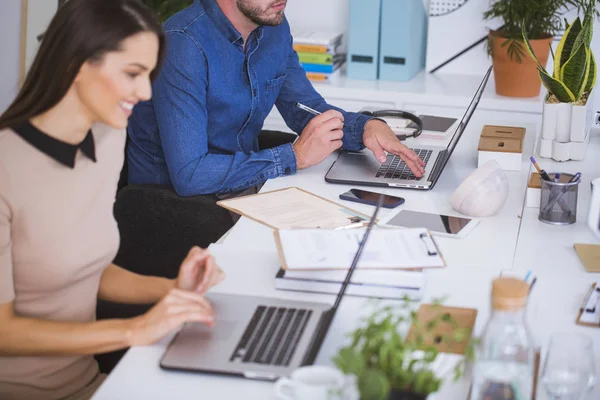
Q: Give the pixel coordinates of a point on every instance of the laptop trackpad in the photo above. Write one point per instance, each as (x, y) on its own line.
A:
(222, 330)
(361, 160)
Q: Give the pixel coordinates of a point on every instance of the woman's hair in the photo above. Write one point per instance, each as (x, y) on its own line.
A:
(81, 30)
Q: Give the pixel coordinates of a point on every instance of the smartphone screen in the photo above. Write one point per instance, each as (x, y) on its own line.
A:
(374, 197)
(433, 222)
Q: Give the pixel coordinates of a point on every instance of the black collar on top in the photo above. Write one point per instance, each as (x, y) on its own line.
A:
(62, 152)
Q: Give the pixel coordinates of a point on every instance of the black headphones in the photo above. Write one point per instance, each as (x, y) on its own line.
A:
(399, 114)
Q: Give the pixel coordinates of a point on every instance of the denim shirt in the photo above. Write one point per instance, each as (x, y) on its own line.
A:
(199, 132)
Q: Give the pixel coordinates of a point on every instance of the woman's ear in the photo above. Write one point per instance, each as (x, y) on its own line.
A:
(82, 71)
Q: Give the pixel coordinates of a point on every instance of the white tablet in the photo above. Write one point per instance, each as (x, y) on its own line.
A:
(438, 224)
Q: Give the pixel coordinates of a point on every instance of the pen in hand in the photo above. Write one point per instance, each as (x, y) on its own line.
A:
(310, 110)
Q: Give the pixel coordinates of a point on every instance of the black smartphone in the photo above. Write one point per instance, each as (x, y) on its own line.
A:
(371, 198)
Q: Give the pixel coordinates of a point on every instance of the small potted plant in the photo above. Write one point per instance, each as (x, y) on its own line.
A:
(567, 114)
(514, 72)
(389, 366)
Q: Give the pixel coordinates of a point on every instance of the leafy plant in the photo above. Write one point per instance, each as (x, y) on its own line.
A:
(383, 360)
(574, 74)
(539, 18)
(165, 8)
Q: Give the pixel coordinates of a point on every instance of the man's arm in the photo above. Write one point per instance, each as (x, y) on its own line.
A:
(360, 131)
(297, 88)
(179, 101)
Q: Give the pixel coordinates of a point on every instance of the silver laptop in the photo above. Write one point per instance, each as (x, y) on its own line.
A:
(362, 168)
(257, 337)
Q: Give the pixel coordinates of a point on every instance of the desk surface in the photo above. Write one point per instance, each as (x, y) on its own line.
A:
(511, 239)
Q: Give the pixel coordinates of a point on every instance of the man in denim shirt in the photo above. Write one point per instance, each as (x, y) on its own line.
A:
(228, 63)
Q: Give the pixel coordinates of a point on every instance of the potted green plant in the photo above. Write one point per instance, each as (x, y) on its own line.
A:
(514, 72)
(567, 114)
(389, 366)
(165, 8)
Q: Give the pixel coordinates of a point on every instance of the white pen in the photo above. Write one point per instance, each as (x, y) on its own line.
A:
(310, 110)
(307, 109)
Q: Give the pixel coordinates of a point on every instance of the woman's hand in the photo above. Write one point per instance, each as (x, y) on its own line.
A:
(168, 315)
(199, 272)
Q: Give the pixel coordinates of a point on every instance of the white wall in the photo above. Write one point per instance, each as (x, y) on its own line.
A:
(10, 44)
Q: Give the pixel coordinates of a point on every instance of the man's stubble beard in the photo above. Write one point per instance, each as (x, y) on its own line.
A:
(255, 14)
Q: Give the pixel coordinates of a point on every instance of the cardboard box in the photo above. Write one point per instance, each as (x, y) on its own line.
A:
(503, 144)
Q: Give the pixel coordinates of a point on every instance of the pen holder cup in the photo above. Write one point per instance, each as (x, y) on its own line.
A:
(558, 200)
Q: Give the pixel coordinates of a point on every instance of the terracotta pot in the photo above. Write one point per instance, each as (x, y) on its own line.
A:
(403, 395)
(514, 79)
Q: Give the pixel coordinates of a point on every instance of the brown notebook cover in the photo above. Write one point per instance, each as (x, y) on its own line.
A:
(589, 254)
(464, 318)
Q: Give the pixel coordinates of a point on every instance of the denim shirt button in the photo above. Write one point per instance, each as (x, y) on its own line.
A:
(287, 171)
(254, 91)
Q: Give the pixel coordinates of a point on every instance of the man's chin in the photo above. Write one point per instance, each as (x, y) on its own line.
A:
(275, 21)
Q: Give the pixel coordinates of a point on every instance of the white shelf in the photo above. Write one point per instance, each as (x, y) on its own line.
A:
(437, 89)
(439, 93)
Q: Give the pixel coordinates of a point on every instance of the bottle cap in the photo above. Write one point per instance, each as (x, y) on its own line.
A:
(509, 294)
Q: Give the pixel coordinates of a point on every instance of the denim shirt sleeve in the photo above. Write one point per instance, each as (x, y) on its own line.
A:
(180, 105)
(298, 88)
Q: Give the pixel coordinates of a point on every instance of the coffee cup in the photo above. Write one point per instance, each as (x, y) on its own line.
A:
(316, 382)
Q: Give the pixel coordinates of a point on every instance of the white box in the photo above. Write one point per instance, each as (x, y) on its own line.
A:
(534, 191)
(502, 144)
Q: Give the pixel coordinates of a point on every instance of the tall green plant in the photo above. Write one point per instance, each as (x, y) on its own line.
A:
(574, 74)
(165, 8)
(539, 18)
(383, 360)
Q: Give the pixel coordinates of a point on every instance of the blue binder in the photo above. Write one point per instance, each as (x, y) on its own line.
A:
(403, 39)
(363, 39)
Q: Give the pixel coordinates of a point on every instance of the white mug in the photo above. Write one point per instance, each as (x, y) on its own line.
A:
(315, 382)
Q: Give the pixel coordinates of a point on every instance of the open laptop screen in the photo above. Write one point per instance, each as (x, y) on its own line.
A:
(468, 114)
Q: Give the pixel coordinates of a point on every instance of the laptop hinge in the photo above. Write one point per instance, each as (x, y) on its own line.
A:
(318, 337)
(438, 166)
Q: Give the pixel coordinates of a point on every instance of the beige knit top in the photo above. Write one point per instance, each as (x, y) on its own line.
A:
(57, 235)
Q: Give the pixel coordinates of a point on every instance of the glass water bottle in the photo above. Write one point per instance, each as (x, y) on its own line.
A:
(505, 357)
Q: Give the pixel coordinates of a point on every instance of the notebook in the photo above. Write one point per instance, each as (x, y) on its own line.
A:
(322, 249)
(294, 208)
(383, 284)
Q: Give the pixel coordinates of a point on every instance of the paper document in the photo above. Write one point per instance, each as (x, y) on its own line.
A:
(335, 249)
(295, 208)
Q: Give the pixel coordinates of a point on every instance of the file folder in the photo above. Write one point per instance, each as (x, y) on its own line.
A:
(403, 39)
(363, 39)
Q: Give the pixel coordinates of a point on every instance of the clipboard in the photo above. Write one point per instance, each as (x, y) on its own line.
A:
(316, 249)
(275, 209)
(591, 301)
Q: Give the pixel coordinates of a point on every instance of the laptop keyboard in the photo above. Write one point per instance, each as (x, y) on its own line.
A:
(395, 168)
(271, 336)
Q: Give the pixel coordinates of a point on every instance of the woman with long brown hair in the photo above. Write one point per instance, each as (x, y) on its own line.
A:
(61, 150)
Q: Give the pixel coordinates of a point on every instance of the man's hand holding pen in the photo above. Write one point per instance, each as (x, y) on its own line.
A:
(323, 135)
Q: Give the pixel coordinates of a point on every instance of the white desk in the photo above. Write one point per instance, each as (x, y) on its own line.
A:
(499, 242)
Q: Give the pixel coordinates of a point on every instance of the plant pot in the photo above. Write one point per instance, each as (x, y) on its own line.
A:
(404, 395)
(514, 78)
(565, 130)
(566, 122)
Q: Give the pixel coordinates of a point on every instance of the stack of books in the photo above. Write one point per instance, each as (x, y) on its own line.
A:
(392, 265)
(318, 53)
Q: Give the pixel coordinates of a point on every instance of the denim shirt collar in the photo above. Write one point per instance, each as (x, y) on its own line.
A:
(220, 20)
(223, 24)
